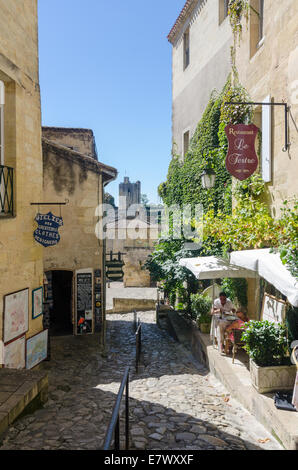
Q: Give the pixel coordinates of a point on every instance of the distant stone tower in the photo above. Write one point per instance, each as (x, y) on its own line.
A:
(132, 192)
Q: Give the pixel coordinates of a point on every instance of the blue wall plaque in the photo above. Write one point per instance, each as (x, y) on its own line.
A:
(47, 232)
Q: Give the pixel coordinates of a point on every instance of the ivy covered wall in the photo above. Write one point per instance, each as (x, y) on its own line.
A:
(208, 147)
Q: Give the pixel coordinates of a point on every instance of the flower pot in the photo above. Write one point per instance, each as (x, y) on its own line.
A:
(205, 328)
(272, 378)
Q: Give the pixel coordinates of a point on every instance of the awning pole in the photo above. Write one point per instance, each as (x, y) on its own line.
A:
(213, 295)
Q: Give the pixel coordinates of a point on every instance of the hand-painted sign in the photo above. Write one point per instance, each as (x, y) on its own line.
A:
(47, 232)
(242, 160)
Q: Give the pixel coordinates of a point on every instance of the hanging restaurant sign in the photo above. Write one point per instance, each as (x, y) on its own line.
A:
(47, 232)
(242, 160)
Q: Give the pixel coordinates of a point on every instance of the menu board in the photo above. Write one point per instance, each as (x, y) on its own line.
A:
(274, 310)
(84, 302)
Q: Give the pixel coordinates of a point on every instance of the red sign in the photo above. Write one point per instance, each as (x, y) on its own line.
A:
(242, 160)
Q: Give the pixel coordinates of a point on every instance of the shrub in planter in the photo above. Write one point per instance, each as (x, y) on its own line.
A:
(267, 346)
(200, 311)
(266, 343)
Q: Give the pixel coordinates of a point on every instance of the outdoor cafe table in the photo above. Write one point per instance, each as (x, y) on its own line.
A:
(218, 324)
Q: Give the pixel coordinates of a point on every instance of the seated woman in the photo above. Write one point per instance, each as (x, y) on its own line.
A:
(236, 325)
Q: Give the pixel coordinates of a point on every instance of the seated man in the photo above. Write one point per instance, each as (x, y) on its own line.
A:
(224, 307)
(236, 325)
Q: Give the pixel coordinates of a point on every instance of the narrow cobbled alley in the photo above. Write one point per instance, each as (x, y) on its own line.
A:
(175, 404)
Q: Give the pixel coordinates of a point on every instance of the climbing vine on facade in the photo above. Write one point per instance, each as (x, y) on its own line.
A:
(208, 147)
(236, 11)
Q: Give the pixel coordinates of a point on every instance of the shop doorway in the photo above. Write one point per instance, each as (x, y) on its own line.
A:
(61, 312)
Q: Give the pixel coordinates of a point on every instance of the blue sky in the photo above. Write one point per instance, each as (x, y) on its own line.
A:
(106, 65)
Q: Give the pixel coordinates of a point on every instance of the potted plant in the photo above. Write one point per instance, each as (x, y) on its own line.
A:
(200, 310)
(270, 366)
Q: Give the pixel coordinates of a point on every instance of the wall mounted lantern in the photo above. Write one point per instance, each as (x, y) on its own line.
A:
(208, 176)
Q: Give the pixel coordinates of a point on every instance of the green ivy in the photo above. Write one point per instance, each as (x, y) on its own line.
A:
(236, 289)
(237, 9)
(163, 265)
(208, 147)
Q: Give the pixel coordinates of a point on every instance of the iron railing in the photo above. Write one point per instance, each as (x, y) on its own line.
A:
(138, 345)
(6, 190)
(114, 427)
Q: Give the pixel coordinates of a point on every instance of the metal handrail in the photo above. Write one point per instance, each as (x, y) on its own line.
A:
(134, 324)
(138, 345)
(6, 190)
(114, 426)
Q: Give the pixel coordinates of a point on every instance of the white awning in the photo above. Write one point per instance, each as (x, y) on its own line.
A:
(211, 267)
(269, 266)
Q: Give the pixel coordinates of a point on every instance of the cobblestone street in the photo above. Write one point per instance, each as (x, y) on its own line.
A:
(175, 403)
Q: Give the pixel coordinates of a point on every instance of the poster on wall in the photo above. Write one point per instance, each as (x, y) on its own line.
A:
(242, 160)
(16, 315)
(274, 310)
(14, 354)
(84, 302)
(37, 302)
(36, 349)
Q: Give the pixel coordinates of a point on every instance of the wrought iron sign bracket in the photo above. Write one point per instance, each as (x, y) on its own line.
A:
(287, 110)
(50, 203)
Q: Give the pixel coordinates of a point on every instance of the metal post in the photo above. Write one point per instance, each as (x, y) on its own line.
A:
(286, 129)
(117, 434)
(127, 415)
(140, 340)
(134, 320)
(213, 318)
(114, 426)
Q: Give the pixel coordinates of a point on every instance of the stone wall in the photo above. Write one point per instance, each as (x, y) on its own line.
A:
(136, 251)
(68, 177)
(128, 305)
(210, 42)
(273, 70)
(80, 140)
(21, 263)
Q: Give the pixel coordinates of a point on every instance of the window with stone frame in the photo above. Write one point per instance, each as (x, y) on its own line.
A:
(186, 140)
(256, 25)
(223, 10)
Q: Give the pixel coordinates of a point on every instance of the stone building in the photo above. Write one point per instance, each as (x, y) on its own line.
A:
(130, 191)
(131, 232)
(267, 63)
(21, 258)
(201, 38)
(72, 173)
(135, 246)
